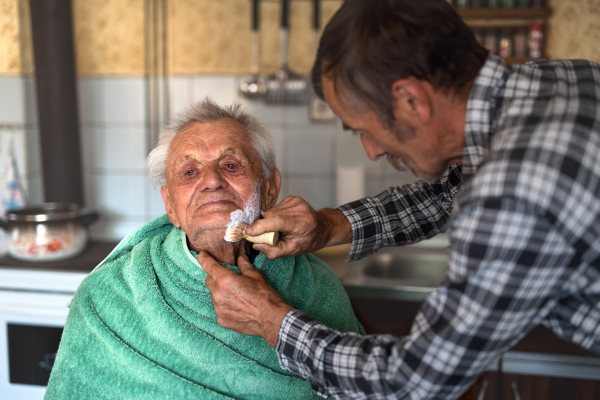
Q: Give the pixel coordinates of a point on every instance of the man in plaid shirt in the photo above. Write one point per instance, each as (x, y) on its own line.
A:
(512, 156)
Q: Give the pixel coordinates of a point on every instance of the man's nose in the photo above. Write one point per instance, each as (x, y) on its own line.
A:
(374, 151)
(212, 178)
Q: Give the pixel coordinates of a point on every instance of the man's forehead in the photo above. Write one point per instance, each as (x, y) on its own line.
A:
(190, 153)
(216, 138)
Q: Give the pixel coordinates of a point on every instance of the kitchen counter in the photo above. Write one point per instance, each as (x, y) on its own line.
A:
(393, 314)
(93, 254)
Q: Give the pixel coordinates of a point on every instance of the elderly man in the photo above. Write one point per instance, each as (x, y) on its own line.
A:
(142, 324)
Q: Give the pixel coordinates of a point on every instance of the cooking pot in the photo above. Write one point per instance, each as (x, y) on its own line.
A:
(47, 232)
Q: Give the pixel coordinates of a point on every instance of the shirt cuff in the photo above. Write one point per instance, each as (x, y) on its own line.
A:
(352, 211)
(291, 349)
(292, 343)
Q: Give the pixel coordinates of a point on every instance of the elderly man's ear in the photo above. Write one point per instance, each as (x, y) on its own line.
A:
(271, 191)
(164, 191)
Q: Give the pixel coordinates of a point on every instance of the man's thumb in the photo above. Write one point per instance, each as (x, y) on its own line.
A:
(244, 264)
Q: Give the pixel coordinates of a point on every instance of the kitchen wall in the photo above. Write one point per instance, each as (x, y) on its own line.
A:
(114, 143)
(208, 56)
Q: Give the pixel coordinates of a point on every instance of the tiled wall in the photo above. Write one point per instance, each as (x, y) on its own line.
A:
(114, 143)
(18, 127)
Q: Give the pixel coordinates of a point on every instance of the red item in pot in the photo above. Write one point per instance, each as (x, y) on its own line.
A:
(33, 249)
(55, 245)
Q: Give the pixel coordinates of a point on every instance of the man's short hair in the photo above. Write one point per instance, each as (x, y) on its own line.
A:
(209, 111)
(370, 44)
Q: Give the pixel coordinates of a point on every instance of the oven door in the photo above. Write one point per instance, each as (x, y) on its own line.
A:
(31, 324)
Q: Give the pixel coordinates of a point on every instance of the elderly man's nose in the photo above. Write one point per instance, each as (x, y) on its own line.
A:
(374, 151)
(212, 178)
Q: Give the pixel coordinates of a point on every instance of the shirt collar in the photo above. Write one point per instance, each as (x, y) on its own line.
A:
(480, 122)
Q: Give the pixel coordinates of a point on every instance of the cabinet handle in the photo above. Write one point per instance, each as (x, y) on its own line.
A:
(484, 386)
(515, 390)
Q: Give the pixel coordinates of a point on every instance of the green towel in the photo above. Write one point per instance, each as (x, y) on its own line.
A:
(142, 326)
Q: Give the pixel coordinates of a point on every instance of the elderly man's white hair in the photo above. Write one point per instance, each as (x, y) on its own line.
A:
(209, 111)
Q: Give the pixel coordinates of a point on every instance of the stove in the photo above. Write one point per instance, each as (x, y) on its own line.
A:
(33, 311)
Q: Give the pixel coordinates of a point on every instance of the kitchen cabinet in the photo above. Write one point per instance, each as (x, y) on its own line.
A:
(540, 366)
(530, 387)
(495, 385)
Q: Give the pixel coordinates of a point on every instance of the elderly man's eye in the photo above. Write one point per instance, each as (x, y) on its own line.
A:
(189, 172)
(231, 166)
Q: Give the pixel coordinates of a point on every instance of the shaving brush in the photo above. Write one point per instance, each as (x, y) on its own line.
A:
(236, 231)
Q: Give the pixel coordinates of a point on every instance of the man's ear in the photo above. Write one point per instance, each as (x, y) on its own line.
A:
(412, 101)
(271, 191)
(164, 192)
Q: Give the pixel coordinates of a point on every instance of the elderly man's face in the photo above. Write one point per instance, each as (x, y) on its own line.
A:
(212, 170)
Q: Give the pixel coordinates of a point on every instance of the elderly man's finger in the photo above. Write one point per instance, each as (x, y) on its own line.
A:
(248, 270)
(244, 264)
(211, 266)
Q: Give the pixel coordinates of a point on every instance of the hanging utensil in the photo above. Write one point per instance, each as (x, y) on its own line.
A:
(316, 22)
(319, 110)
(286, 86)
(255, 88)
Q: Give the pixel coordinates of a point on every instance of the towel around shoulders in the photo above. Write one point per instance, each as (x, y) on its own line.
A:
(142, 325)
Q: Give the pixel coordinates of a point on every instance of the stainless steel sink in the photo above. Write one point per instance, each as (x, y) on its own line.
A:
(405, 273)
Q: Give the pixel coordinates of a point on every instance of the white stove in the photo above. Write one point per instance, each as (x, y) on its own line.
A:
(33, 312)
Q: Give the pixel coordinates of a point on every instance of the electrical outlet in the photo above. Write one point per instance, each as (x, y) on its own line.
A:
(320, 111)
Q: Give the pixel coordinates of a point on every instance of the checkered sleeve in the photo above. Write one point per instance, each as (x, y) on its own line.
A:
(508, 269)
(402, 215)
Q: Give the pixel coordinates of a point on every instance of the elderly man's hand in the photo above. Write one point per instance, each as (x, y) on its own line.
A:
(306, 230)
(245, 303)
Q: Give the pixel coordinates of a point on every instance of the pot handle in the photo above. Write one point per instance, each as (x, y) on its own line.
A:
(3, 224)
(89, 218)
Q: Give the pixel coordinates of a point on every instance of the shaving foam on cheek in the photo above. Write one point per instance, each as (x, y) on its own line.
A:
(252, 209)
(250, 213)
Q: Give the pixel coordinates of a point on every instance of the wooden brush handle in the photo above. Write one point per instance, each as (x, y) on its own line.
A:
(266, 238)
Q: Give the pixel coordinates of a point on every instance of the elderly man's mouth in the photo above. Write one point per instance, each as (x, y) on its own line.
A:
(219, 204)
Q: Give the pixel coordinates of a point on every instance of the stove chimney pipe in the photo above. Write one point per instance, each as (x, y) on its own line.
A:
(54, 54)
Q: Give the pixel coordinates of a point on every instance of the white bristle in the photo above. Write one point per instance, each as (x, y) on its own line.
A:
(235, 232)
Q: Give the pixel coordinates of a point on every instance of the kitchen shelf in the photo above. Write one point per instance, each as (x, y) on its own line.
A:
(504, 13)
(500, 17)
(518, 60)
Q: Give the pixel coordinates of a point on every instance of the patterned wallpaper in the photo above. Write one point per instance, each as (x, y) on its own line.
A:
(10, 58)
(109, 37)
(213, 37)
(574, 29)
(197, 48)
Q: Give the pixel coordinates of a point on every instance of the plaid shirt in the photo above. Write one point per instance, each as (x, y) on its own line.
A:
(524, 243)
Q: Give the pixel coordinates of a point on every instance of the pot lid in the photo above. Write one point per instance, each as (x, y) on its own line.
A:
(46, 212)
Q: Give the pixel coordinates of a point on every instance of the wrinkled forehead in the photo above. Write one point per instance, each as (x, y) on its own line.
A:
(212, 139)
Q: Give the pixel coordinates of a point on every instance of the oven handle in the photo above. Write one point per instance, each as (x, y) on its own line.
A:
(30, 310)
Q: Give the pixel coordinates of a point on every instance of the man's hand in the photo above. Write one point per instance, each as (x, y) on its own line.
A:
(306, 230)
(245, 303)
